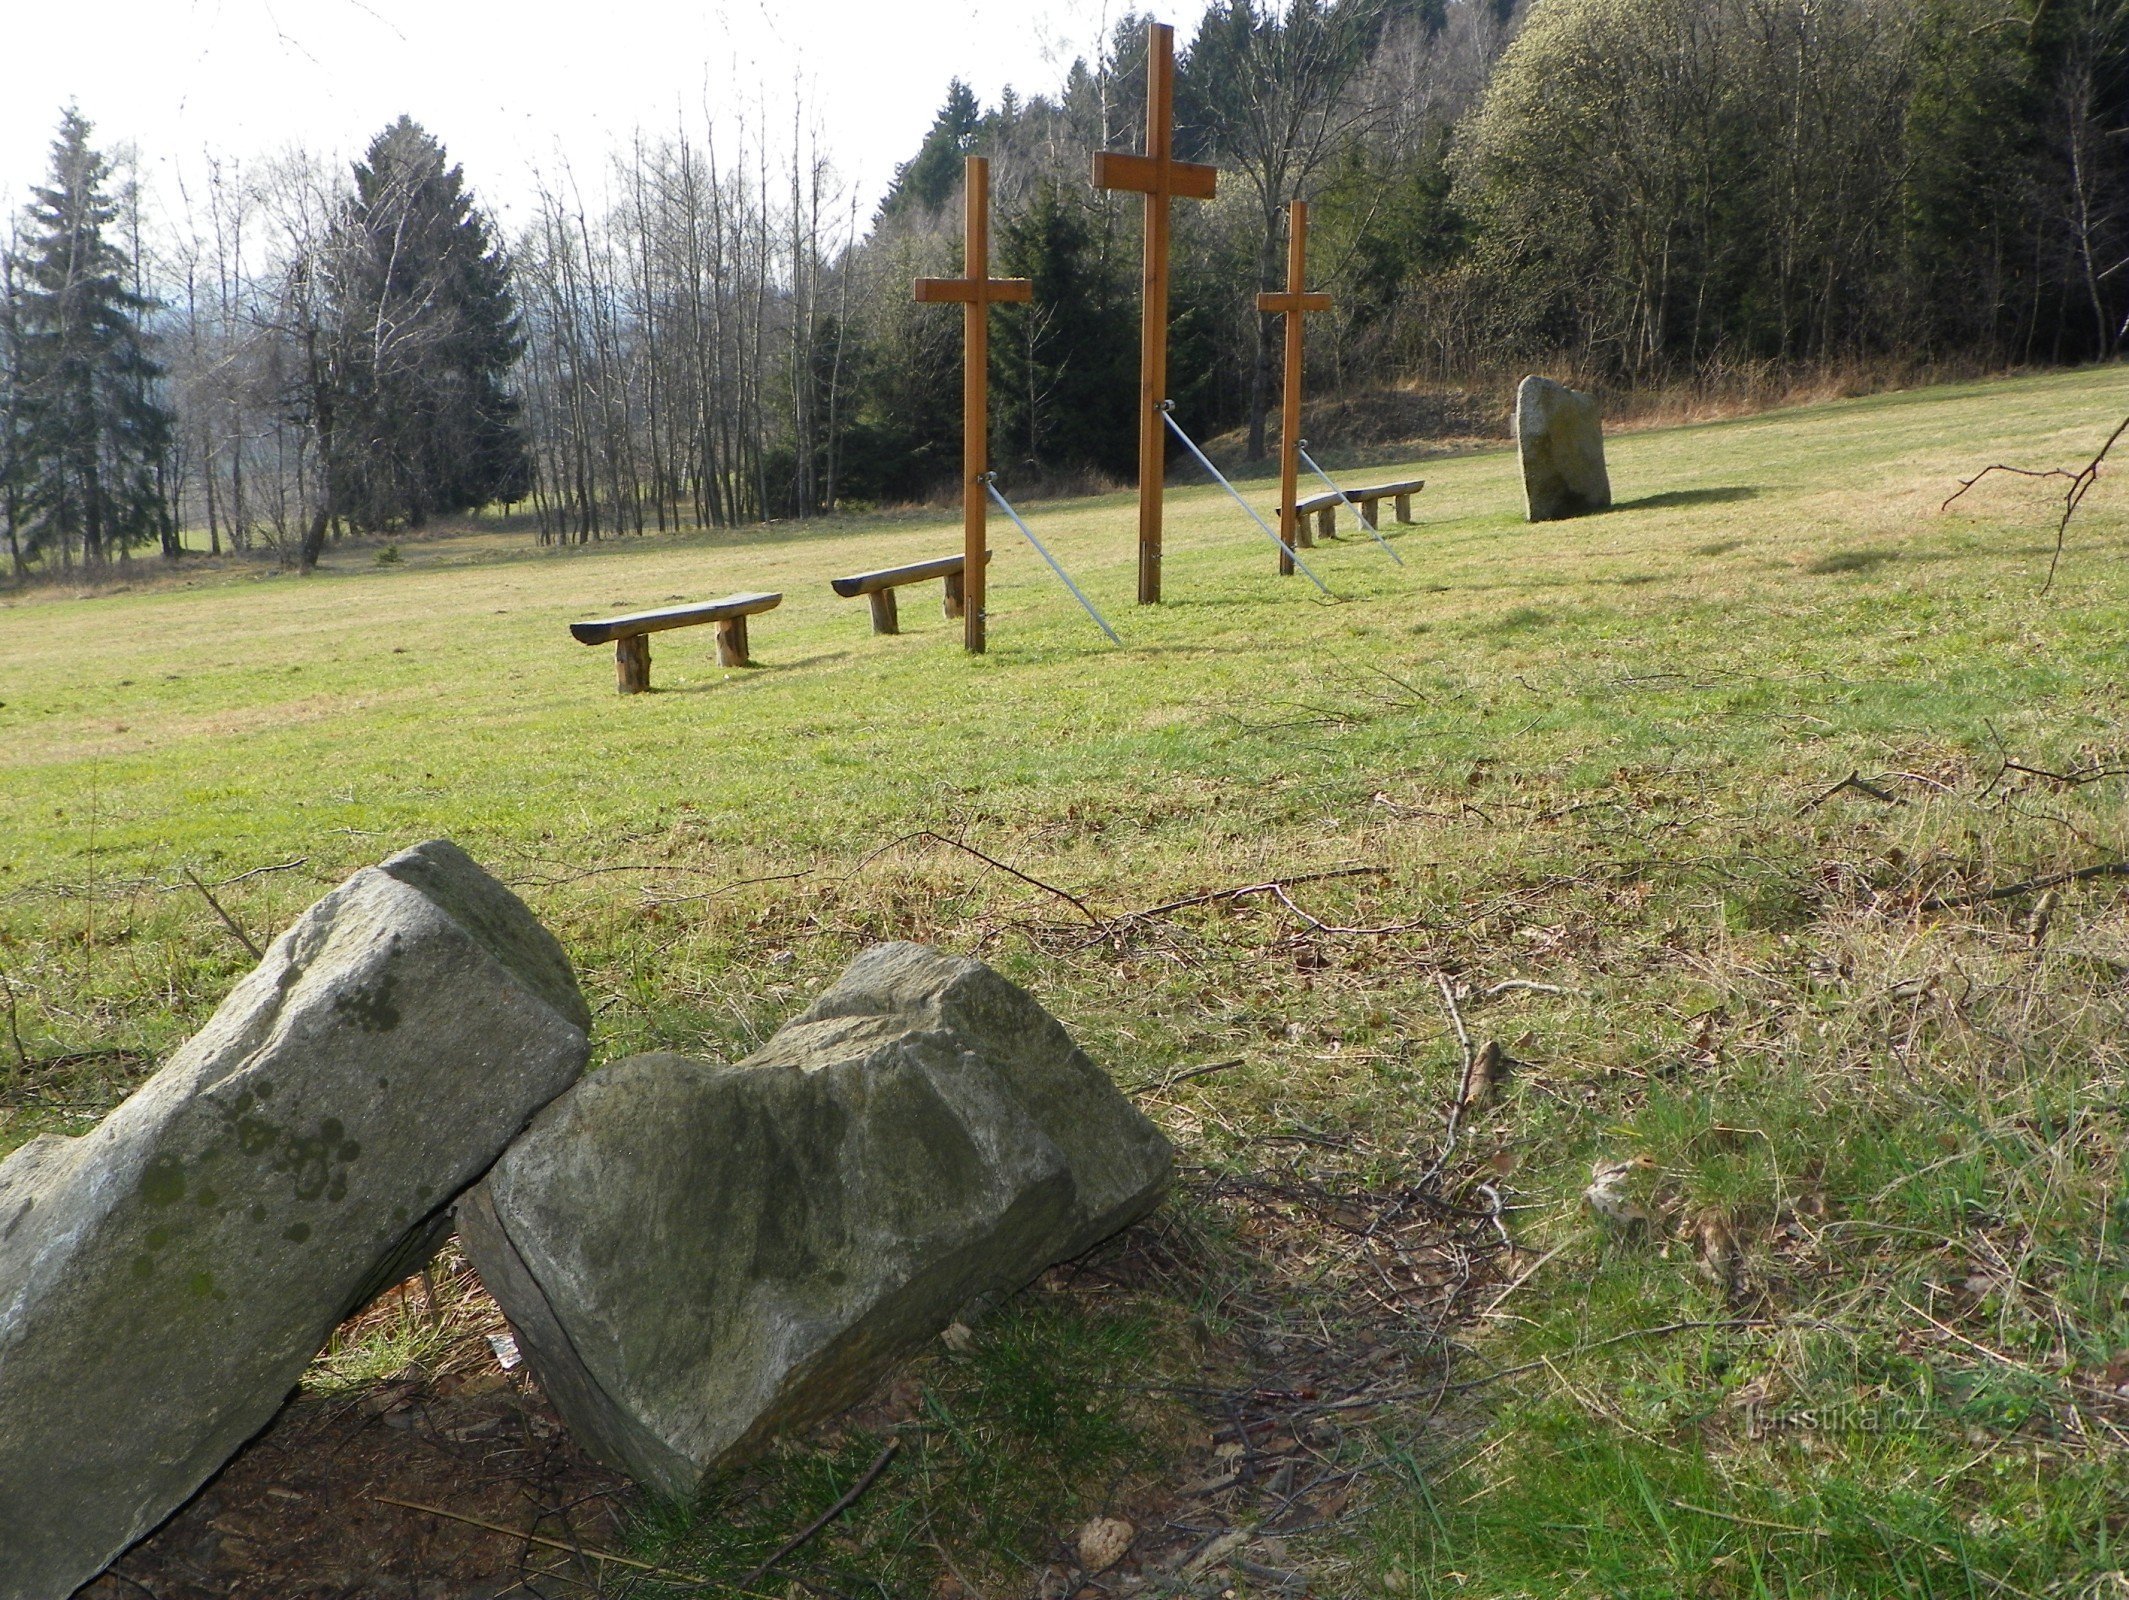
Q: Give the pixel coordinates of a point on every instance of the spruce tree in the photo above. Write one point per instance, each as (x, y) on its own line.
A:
(426, 329)
(927, 180)
(90, 431)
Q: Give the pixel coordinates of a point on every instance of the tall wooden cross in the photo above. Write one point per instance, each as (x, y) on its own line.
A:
(976, 291)
(1291, 305)
(1160, 177)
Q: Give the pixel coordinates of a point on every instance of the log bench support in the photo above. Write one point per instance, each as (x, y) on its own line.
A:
(1324, 508)
(630, 635)
(879, 587)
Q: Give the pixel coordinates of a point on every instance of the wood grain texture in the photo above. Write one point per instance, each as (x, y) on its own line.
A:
(1160, 177)
(976, 292)
(948, 567)
(606, 630)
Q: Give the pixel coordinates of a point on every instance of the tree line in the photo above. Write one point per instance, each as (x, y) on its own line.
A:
(706, 332)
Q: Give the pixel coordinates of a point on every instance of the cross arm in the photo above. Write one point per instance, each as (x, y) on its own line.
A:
(960, 291)
(1293, 302)
(1186, 180)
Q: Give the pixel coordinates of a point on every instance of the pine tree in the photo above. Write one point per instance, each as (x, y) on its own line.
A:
(426, 333)
(91, 431)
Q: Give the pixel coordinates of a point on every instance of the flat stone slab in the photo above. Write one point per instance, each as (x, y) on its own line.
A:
(696, 1257)
(1560, 440)
(165, 1278)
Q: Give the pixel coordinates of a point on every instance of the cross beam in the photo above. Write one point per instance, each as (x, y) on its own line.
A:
(1160, 178)
(975, 292)
(1291, 304)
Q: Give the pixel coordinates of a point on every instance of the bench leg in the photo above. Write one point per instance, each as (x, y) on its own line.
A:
(632, 662)
(732, 642)
(1327, 522)
(955, 605)
(885, 618)
(1404, 508)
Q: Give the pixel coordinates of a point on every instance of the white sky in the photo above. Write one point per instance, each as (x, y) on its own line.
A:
(507, 84)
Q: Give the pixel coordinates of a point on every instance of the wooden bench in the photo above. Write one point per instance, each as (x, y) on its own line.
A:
(1324, 507)
(630, 635)
(879, 588)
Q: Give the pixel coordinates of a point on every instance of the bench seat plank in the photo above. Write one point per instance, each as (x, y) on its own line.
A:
(1381, 491)
(636, 623)
(894, 577)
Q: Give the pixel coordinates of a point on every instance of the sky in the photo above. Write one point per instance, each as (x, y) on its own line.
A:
(509, 85)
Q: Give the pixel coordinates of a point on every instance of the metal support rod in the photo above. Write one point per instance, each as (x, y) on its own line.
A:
(1301, 449)
(1168, 416)
(990, 482)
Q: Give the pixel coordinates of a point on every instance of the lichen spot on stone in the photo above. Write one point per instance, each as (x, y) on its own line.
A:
(163, 1183)
(296, 1232)
(371, 1009)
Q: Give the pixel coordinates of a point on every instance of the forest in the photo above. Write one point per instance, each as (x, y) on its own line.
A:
(713, 330)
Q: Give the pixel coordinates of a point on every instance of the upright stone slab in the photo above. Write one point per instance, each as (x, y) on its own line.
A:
(165, 1278)
(1561, 443)
(698, 1256)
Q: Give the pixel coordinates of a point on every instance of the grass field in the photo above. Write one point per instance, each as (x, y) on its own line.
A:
(1571, 788)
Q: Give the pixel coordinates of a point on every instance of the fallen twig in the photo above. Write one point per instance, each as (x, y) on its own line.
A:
(2081, 482)
(1210, 896)
(1431, 1178)
(228, 921)
(849, 1499)
(1510, 985)
(933, 837)
(260, 872)
(596, 1554)
(1164, 1084)
(1856, 781)
(2068, 780)
(2009, 891)
(1751, 1522)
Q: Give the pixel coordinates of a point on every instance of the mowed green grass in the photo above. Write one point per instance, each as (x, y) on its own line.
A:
(1584, 756)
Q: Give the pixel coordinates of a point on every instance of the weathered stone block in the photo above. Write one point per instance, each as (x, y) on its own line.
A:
(1561, 443)
(698, 1256)
(165, 1278)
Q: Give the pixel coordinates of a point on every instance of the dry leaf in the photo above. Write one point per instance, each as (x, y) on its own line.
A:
(1720, 1258)
(1607, 1193)
(1489, 1070)
(1103, 1541)
(958, 1338)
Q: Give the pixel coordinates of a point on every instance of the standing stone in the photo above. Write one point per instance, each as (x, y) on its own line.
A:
(696, 1257)
(1561, 442)
(165, 1278)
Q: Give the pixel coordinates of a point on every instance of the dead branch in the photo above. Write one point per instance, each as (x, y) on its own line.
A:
(228, 921)
(2010, 891)
(260, 872)
(1530, 986)
(2081, 482)
(1164, 1084)
(1861, 785)
(930, 836)
(849, 1499)
(2069, 780)
(666, 1573)
(1210, 896)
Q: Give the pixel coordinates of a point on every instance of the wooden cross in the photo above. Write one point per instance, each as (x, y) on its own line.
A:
(1293, 526)
(1160, 177)
(976, 291)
